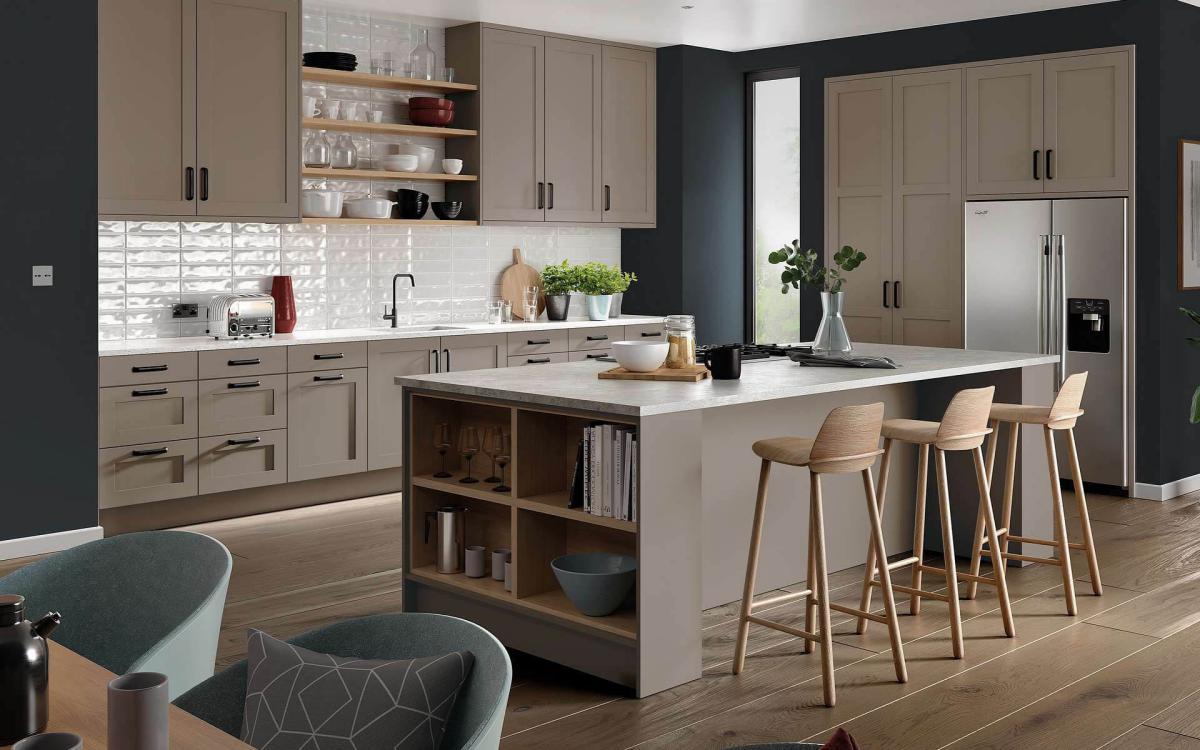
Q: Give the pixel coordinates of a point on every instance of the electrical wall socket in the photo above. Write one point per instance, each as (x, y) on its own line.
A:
(43, 275)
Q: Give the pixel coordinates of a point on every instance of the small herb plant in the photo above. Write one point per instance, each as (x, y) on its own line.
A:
(597, 278)
(1194, 341)
(626, 279)
(802, 267)
(561, 278)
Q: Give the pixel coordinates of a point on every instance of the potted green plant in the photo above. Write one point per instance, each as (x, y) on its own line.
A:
(802, 267)
(627, 278)
(599, 282)
(558, 281)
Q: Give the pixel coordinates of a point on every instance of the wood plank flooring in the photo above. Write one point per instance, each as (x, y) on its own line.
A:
(1123, 674)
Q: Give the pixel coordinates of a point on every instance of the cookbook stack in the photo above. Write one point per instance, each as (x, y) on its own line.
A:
(606, 472)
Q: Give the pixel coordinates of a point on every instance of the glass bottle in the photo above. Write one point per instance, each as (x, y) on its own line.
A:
(316, 150)
(345, 154)
(423, 59)
(681, 340)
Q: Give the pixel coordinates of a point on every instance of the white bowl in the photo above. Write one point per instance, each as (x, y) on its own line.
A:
(400, 162)
(640, 356)
(424, 155)
(369, 208)
(452, 166)
(321, 204)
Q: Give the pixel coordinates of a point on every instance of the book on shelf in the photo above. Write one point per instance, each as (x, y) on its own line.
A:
(605, 479)
(577, 490)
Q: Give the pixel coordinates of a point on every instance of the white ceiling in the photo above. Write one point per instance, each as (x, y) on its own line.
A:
(719, 24)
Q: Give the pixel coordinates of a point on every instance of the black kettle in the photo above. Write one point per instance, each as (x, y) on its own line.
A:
(24, 670)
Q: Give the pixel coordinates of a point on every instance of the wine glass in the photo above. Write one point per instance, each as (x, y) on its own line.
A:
(441, 441)
(492, 445)
(502, 456)
(468, 446)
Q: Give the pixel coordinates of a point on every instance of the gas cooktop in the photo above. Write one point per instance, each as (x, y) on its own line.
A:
(758, 352)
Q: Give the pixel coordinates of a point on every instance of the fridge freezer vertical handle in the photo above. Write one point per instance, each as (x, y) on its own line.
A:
(1061, 310)
(1044, 295)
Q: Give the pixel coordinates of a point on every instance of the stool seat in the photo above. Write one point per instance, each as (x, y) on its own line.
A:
(916, 431)
(1028, 414)
(793, 451)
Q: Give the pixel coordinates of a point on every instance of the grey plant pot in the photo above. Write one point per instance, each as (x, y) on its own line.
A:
(598, 306)
(557, 306)
(614, 310)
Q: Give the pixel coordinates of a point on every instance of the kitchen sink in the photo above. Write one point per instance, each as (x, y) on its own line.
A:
(422, 329)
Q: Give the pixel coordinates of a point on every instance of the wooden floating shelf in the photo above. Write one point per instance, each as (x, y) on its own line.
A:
(353, 78)
(478, 491)
(383, 174)
(385, 128)
(394, 222)
(555, 504)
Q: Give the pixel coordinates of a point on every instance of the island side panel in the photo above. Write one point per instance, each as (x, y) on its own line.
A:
(669, 551)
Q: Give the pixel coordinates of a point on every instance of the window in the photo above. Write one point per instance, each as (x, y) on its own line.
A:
(774, 202)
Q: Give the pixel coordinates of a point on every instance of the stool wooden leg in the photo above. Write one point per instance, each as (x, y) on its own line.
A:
(885, 577)
(1085, 520)
(914, 602)
(864, 603)
(998, 572)
(822, 582)
(810, 582)
(948, 553)
(1060, 522)
(1010, 479)
(739, 653)
(978, 540)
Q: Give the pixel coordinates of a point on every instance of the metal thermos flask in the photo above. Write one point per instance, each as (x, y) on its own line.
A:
(24, 670)
(451, 522)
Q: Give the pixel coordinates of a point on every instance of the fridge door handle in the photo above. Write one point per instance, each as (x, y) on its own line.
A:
(1061, 310)
(1043, 295)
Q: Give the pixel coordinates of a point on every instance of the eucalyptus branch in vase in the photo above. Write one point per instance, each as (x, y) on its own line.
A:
(803, 267)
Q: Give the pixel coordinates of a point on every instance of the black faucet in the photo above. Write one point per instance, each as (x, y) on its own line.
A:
(394, 316)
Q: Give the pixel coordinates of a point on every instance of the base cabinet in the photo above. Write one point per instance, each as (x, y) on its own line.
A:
(236, 462)
(146, 473)
(327, 426)
(387, 360)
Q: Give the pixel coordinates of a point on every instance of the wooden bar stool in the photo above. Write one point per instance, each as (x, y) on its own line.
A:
(1059, 416)
(963, 428)
(847, 442)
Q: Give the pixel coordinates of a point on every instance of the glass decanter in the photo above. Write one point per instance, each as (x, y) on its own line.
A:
(423, 60)
(317, 150)
(345, 154)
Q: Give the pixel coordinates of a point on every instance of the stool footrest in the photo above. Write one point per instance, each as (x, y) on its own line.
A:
(785, 629)
(1027, 558)
(779, 598)
(987, 580)
(902, 563)
(857, 612)
(918, 592)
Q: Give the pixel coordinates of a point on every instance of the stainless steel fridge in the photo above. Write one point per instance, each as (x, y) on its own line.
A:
(1050, 276)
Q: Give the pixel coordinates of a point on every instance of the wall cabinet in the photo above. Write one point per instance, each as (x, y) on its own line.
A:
(327, 423)
(629, 132)
(199, 108)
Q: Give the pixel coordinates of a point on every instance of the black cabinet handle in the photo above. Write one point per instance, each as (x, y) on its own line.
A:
(541, 195)
(1049, 164)
(537, 342)
(596, 356)
(601, 337)
(550, 198)
(246, 384)
(885, 293)
(538, 361)
(149, 368)
(647, 335)
(437, 361)
(327, 378)
(447, 353)
(244, 441)
(150, 392)
(1037, 157)
(320, 357)
(607, 197)
(189, 183)
(244, 362)
(896, 294)
(150, 451)
(203, 183)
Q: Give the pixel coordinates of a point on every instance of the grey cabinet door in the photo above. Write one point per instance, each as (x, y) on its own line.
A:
(385, 419)
(512, 128)
(248, 118)
(480, 351)
(147, 108)
(1004, 129)
(327, 423)
(573, 79)
(628, 150)
(146, 473)
(146, 413)
(1087, 122)
(236, 462)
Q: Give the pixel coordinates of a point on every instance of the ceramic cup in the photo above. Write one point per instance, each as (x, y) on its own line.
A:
(476, 561)
(330, 108)
(452, 166)
(137, 711)
(310, 107)
(499, 558)
(508, 576)
(51, 741)
(376, 116)
(354, 111)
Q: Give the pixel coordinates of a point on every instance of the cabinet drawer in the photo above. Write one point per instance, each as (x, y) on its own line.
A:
(552, 358)
(230, 405)
(137, 369)
(587, 356)
(327, 423)
(651, 331)
(236, 364)
(537, 342)
(146, 413)
(235, 462)
(146, 473)
(585, 339)
(337, 355)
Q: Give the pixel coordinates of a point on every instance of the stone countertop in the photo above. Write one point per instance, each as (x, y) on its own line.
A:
(207, 343)
(575, 385)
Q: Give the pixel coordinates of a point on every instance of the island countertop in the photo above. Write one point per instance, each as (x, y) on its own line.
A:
(575, 385)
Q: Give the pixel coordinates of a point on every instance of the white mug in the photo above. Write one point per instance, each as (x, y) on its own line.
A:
(330, 108)
(310, 107)
(452, 166)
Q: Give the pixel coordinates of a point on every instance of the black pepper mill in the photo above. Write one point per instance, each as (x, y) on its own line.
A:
(24, 670)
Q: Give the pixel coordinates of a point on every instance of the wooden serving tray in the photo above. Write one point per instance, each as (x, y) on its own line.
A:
(689, 374)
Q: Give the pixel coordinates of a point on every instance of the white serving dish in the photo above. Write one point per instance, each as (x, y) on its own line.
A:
(640, 356)
(369, 208)
(320, 204)
(424, 155)
(400, 162)
(452, 166)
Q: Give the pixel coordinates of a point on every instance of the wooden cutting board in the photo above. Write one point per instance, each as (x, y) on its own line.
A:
(514, 279)
(689, 374)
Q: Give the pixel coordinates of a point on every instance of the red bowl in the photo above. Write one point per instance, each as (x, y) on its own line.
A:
(433, 117)
(429, 102)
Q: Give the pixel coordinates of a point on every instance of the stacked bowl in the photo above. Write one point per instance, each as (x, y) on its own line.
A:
(430, 110)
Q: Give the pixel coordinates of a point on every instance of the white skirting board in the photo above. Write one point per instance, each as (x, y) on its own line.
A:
(1167, 491)
(44, 543)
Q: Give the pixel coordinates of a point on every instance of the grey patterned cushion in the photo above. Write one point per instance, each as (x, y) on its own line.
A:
(297, 699)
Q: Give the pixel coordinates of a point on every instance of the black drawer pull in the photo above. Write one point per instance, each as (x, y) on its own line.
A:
(656, 334)
(151, 451)
(327, 378)
(150, 368)
(150, 392)
(244, 441)
(537, 342)
(539, 361)
(601, 337)
(596, 356)
(246, 384)
(244, 362)
(319, 357)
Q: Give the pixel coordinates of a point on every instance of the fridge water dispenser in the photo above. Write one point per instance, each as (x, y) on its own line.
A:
(1087, 325)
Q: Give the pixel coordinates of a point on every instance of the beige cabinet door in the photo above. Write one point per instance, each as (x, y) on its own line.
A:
(573, 186)
(644, 332)
(512, 135)
(628, 151)
(585, 355)
(327, 423)
(146, 473)
(235, 462)
(230, 405)
(147, 107)
(1004, 129)
(480, 351)
(1087, 121)
(858, 198)
(147, 413)
(927, 214)
(248, 110)
(385, 416)
(539, 359)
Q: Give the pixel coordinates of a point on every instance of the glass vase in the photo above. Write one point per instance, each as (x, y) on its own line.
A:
(832, 338)
(423, 60)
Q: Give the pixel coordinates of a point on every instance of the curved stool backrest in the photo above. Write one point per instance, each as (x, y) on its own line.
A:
(964, 423)
(1070, 396)
(848, 440)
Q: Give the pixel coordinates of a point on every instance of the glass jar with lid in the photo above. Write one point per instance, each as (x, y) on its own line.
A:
(681, 341)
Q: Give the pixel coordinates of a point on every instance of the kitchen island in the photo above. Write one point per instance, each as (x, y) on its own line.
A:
(696, 485)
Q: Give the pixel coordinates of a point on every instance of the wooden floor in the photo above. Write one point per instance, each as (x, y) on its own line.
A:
(1123, 674)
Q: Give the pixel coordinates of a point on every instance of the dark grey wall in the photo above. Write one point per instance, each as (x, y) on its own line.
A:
(48, 215)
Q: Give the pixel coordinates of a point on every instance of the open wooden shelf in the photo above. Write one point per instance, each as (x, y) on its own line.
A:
(555, 504)
(383, 174)
(385, 128)
(451, 484)
(354, 78)
(484, 586)
(394, 222)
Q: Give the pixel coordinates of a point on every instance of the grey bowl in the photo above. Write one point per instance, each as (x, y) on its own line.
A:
(595, 582)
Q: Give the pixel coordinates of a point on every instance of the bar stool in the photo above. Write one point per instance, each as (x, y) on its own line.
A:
(1059, 416)
(963, 428)
(847, 442)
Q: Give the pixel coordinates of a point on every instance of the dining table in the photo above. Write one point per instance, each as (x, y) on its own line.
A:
(79, 704)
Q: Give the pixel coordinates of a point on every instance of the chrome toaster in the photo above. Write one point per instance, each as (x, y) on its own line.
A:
(241, 316)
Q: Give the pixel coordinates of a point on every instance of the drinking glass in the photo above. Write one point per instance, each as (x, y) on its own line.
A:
(441, 441)
(496, 311)
(493, 445)
(503, 456)
(446, 74)
(529, 306)
(505, 311)
(468, 446)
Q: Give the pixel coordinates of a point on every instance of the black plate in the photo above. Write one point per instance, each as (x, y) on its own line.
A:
(330, 66)
(329, 56)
